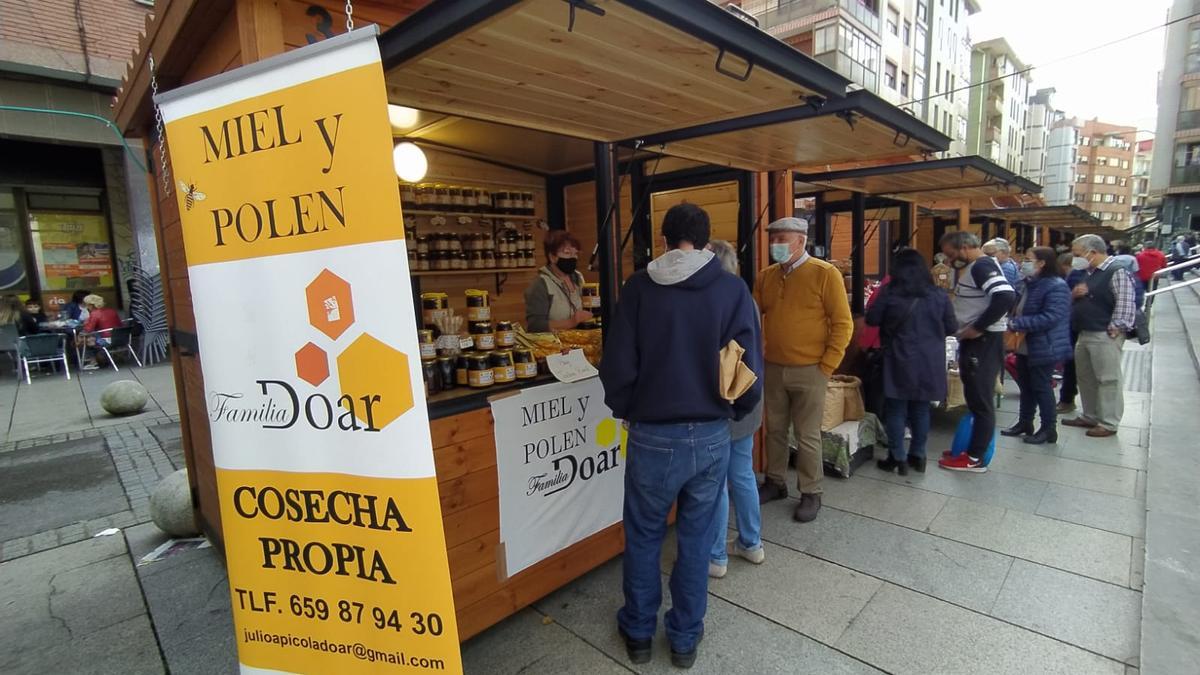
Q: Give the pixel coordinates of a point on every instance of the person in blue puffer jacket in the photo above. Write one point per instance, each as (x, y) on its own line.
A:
(1043, 314)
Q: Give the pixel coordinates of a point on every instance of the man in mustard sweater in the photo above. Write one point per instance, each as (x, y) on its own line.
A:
(806, 327)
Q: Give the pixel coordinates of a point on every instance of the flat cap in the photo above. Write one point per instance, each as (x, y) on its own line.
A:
(789, 224)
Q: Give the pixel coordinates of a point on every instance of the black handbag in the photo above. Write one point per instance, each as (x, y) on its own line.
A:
(1141, 328)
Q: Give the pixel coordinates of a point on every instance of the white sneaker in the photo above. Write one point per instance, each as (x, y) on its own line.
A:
(717, 571)
(756, 556)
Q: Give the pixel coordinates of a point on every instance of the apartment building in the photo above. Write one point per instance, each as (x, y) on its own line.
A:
(1104, 171)
(1175, 168)
(1059, 177)
(1039, 122)
(1143, 208)
(902, 50)
(999, 107)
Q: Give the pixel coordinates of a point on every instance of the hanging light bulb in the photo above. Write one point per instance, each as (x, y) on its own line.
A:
(410, 161)
(402, 118)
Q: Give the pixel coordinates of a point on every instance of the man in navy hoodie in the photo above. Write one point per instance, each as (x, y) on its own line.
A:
(660, 375)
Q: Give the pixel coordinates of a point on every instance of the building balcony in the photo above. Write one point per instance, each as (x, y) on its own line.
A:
(992, 134)
(1187, 119)
(992, 151)
(850, 68)
(863, 13)
(995, 105)
(1185, 175)
(795, 11)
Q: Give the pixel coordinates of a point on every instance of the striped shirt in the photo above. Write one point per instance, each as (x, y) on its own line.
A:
(1125, 311)
(983, 296)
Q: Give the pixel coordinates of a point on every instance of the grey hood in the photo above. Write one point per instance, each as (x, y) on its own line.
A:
(677, 265)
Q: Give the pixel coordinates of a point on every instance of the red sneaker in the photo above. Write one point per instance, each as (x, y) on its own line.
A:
(962, 462)
(947, 454)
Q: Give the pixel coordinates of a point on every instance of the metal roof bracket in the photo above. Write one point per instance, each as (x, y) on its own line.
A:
(740, 77)
(848, 116)
(896, 140)
(581, 4)
(815, 102)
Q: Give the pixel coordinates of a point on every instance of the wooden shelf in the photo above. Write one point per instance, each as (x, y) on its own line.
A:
(495, 270)
(455, 214)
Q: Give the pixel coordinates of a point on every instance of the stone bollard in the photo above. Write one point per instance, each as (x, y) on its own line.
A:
(124, 397)
(171, 506)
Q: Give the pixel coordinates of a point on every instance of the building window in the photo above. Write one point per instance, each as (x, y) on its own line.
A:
(1101, 161)
(1121, 199)
(1111, 180)
(1083, 159)
(907, 35)
(1098, 179)
(904, 84)
(889, 75)
(1097, 197)
(849, 51)
(1084, 140)
(1096, 214)
(1081, 197)
(1108, 198)
(919, 48)
(922, 11)
(893, 21)
(1081, 178)
(1124, 164)
(1124, 182)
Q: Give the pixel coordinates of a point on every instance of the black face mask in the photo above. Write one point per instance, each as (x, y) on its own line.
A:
(567, 265)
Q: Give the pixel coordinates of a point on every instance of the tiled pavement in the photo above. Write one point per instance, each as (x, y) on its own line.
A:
(1034, 567)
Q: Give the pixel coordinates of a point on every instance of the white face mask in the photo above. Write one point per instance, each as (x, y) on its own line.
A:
(1078, 263)
(1028, 269)
(781, 252)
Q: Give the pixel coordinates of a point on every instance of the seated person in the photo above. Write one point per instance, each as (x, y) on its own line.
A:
(75, 309)
(99, 318)
(32, 317)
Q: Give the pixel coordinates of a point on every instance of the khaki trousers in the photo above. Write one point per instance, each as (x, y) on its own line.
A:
(795, 397)
(1098, 372)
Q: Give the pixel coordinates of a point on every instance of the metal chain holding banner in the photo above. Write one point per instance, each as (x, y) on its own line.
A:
(349, 16)
(165, 171)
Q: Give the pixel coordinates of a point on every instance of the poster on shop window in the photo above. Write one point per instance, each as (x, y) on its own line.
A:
(560, 458)
(290, 219)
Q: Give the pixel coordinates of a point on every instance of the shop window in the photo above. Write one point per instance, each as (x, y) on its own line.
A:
(12, 257)
(73, 250)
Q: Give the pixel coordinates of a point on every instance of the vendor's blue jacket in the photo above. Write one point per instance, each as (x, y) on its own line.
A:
(661, 354)
(1046, 320)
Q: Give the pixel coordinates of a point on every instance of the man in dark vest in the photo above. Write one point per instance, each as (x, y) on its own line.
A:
(1104, 311)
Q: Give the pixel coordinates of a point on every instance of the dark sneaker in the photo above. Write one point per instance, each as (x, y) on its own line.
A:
(1018, 429)
(1044, 435)
(639, 651)
(685, 660)
(770, 491)
(963, 462)
(917, 464)
(806, 510)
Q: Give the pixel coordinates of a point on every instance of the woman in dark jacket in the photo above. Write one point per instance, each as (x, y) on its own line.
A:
(914, 318)
(1043, 314)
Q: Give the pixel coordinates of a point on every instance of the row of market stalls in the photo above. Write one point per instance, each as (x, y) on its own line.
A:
(600, 115)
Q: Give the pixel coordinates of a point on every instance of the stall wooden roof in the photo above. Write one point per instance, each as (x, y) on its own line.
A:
(941, 179)
(1067, 218)
(683, 77)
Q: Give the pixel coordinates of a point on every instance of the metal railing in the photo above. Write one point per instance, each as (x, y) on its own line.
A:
(1189, 264)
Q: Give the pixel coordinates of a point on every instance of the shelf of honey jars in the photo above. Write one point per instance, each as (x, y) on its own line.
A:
(460, 200)
(467, 235)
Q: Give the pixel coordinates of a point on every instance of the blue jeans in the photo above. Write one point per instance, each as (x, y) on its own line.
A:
(914, 414)
(668, 463)
(1037, 391)
(743, 485)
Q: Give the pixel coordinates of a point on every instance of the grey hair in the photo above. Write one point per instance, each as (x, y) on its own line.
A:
(726, 254)
(1000, 244)
(960, 239)
(1091, 242)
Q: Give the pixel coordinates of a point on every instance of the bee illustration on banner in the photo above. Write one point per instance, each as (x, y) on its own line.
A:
(191, 195)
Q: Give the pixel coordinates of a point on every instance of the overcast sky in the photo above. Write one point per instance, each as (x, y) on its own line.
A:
(1117, 84)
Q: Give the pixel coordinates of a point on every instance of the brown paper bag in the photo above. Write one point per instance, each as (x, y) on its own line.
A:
(850, 391)
(735, 377)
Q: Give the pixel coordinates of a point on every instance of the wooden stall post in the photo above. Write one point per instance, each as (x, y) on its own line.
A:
(858, 277)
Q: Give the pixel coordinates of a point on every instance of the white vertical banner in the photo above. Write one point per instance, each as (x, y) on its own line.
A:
(560, 458)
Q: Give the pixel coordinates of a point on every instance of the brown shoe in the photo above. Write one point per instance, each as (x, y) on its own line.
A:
(769, 491)
(1080, 422)
(1063, 408)
(1100, 432)
(806, 510)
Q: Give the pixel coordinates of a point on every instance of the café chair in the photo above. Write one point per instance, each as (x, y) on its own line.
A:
(115, 340)
(42, 348)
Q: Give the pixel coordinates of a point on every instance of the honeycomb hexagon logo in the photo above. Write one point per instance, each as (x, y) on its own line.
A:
(370, 368)
(312, 364)
(330, 307)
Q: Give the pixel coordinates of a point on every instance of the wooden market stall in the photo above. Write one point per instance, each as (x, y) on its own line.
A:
(598, 114)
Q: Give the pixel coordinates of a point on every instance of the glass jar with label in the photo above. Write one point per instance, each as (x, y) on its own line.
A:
(445, 366)
(428, 346)
(489, 260)
(456, 198)
(470, 200)
(503, 370)
(505, 335)
(408, 196)
(433, 305)
(460, 371)
(422, 262)
(589, 294)
(479, 371)
(478, 305)
(432, 377)
(525, 364)
(484, 336)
